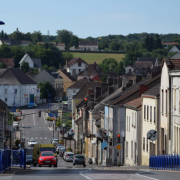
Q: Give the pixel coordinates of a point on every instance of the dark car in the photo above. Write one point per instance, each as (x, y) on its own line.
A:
(61, 152)
(79, 159)
(29, 159)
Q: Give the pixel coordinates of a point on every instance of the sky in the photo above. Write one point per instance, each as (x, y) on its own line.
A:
(93, 18)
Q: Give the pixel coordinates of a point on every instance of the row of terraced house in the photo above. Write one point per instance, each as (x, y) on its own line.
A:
(129, 106)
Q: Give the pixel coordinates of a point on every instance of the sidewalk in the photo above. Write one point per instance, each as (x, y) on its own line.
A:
(15, 170)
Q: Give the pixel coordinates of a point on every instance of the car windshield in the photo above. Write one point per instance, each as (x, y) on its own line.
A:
(47, 154)
(55, 140)
(33, 141)
(61, 147)
(48, 149)
(70, 154)
(79, 157)
(29, 156)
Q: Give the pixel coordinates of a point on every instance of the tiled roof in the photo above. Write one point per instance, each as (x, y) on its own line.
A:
(68, 74)
(50, 71)
(7, 61)
(3, 105)
(60, 44)
(75, 60)
(37, 62)
(88, 43)
(91, 70)
(143, 64)
(169, 43)
(154, 91)
(146, 59)
(176, 56)
(82, 93)
(78, 84)
(14, 76)
(132, 92)
(26, 42)
(136, 103)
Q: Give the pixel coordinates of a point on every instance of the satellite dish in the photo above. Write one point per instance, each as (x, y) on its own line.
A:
(152, 135)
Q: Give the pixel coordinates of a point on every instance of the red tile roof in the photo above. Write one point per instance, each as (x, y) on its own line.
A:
(7, 61)
(60, 44)
(137, 103)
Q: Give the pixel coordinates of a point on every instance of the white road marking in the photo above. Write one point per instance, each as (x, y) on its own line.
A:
(40, 138)
(34, 120)
(139, 174)
(45, 138)
(31, 137)
(39, 127)
(27, 138)
(36, 137)
(82, 174)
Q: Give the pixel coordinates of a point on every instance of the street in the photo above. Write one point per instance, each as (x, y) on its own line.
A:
(37, 128)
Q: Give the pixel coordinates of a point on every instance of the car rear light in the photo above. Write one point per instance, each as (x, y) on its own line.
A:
(67, 155)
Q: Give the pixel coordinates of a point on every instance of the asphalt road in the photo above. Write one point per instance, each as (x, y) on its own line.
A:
(37, 128)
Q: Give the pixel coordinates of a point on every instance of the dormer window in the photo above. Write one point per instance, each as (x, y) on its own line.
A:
(79, 64)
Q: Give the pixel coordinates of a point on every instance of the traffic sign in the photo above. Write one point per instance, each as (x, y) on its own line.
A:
(118, 147)
(152, 135)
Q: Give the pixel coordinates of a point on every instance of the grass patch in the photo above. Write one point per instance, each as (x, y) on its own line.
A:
(90, 58)
(67, 114)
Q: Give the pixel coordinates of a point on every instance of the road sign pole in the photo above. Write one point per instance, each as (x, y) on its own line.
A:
(152, 148)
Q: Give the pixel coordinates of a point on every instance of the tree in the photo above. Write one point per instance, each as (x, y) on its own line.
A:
(64, 36)
(67, 56)
(74, 41)
(5, 51)
(2, 65)
(45, 67)
(120, 69)
(25, 67)
(157, 42)
(2, 35)
(36, 37)
(43, 90)
(34, 70)
(17, 35)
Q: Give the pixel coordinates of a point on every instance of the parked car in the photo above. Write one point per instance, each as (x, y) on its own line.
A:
(69, 156)
(52, 139)
(64, 155)
(58, 148)
(47, 158)
(59, 144)
(61, 152)
(55, 141)
(29, 159)
(58, 99)
(79, 159)
(32, 142)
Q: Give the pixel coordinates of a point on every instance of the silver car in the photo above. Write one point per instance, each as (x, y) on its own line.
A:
(54, 142)
(69, 156)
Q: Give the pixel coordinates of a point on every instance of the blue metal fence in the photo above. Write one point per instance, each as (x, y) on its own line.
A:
(165, 162)
(5, 160)
(19, 158)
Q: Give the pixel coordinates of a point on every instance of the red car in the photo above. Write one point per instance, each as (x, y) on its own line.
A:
(47, 158)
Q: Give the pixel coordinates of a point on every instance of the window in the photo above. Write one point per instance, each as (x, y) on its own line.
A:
(162, 100)
(144, 111)
(15, 91)
(147, 145)
(74, 71)
(147, 112)
(74, 91)
(166, 102)
(129, 123)
(5, 99)
(143, 143)
(174, 98)
(79, 64)
(79, 70)
(154, 114)
(5, 91)
(126, 149)
(131, 149)
(150, 113)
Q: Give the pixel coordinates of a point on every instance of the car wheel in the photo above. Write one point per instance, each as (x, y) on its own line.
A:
(34, 164)
(84, 165)
(39, 165)
(49, 165)
(73, 164)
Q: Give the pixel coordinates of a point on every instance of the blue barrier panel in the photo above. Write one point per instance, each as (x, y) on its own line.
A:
(5, 156)
(170, 162)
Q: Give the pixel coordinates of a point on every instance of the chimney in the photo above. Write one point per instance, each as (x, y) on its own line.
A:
(138, 78)
(143, 88)
(110, 81)
(66, 62)
(110, 90)
(97, 92)
(104, 88)
(129, 83)
(119, 82)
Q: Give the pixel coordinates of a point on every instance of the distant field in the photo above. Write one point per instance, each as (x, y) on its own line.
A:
(97, 57)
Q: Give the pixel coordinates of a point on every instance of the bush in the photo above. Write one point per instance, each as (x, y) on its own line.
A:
(69, 149)
(61, 141)
(49, 119)
(17, 142)
(77, 152)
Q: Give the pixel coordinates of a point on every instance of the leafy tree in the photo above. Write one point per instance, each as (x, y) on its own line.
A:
(74, 41)
(17, 35)
(67, 56)
(43, 90)
(159, 53)
(36, 37)
(27, 36)
(25, 67)
(2, 65)
(148, 43)
(5, 51)
(64, 36)
(120, 69)
(157, 42)
(45, 67)
(2, 35)
(34, 70)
